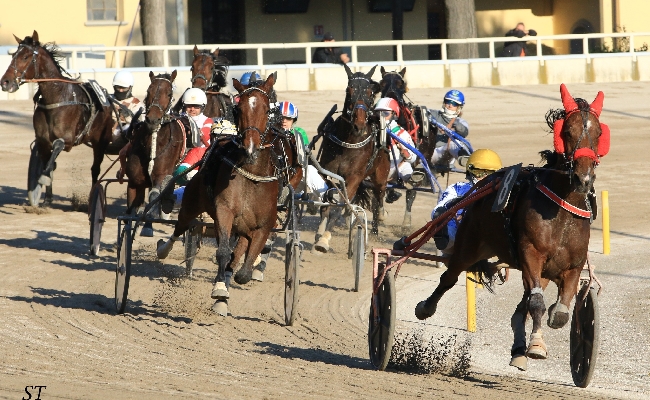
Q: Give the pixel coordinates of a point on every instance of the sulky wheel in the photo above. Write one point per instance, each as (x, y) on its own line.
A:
(34, 189)
(123, 270)
(585, 327)
(192, 243)
(381, 326)
(96, 216)
(358, 244)
(291, 281)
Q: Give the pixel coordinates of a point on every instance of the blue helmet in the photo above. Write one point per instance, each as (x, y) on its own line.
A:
(456, 96)
(246, 78)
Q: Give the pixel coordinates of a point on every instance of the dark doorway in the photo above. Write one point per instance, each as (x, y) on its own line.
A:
(223, 22)
(436, 26)
(577, 44)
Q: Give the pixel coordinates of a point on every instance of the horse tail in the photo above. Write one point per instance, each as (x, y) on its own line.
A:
(364, 196)
(486, 274)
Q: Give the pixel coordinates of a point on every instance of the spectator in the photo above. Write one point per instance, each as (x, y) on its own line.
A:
(517, 49)
(330, 54)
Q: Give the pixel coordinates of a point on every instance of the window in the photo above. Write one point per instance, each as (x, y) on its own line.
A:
(285, 6)
(101, 10)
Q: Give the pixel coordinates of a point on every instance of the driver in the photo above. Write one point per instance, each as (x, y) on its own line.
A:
(125, 106)
(401, 158)
(447, 151)
(481, 163)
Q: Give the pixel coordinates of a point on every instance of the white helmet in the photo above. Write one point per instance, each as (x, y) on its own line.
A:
(123, 79)
(195, 96)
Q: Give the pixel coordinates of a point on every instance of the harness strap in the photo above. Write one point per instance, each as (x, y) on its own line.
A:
(349, 145)
(60, 104)
(93, 114)
(251, 176)
(560, 202)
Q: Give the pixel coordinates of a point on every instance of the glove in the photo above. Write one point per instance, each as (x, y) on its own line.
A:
(532, 32)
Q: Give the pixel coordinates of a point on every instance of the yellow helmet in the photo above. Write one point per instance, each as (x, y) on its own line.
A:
(483, 162)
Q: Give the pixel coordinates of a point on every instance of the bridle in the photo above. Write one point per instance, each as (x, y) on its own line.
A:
(254, 128)
(19, 79)
(213, 71)
(358, 94)
(578, 151)
(155, 101)
(392, 89)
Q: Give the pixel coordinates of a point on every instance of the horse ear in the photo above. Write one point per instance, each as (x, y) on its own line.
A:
(151, 75)
(17, 39)
(383, 71)
(35, 37)
(597, 104)
(402, 72)
(567, 100)
(348, 71)
(376, 88)
(216, 53)
(173, 76)
(371, 72)
(270, 81)
(237, 85)
(196, 50)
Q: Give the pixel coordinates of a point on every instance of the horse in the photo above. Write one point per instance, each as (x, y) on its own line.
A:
(544, 230)
(238, 185)
(351, 149)
(66, 114)
(394, 85)
(209, 71)
(147, 166)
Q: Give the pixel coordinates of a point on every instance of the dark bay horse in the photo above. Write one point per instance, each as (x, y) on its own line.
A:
(209, 71)
(394, 85)
(544, 231)
(351, 149)
(65, 114)
(157, 144)
(238, 186)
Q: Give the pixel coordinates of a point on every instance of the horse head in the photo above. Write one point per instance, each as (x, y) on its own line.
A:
(24, 63)
(159, 100)
(393, 85)
(359, 97)
(253, 114)
(209, 69)
(581, 138)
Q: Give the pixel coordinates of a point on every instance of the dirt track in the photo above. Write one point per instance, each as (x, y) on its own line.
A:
(59, 327)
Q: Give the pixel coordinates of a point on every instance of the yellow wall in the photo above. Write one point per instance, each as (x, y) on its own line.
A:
(70, 26)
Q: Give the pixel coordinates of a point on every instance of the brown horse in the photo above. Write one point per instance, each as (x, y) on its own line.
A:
(146, 167)
(546, 239)
(394, 85)
(65, 115)
(238, 186)
(209, 71)
(351, 149)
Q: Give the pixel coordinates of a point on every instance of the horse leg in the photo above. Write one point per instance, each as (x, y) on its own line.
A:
(448, 279)
(46, 178)
(256, 243)
(186, 214)
(558, 313)
(518, 323)
(531, 274)
(323, 235)
(410, 198)
(377, 209)
(223, 226)
(98, 156)
(258, 272)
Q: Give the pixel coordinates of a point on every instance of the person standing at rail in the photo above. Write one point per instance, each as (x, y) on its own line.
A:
(517, 49)
(447, 150)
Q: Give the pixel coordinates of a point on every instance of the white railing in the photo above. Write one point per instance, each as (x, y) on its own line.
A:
(354, 46)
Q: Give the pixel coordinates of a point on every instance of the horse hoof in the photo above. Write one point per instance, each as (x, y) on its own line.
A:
(258, 275)
(558, 316)
(220, 307)
(220, 291)
(243, 276)
(536, 347)
(45, 180)
(163, 249)
(520, 362)
(423, 312)
(323, 243)
(147, 231)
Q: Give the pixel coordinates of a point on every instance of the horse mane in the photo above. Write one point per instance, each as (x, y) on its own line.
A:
(557, 114)
(51, 49)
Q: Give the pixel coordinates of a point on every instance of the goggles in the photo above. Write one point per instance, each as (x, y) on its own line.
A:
(386, 113)
(453, 103)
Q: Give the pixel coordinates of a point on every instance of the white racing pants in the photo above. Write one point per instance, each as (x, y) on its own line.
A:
(405, 171)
